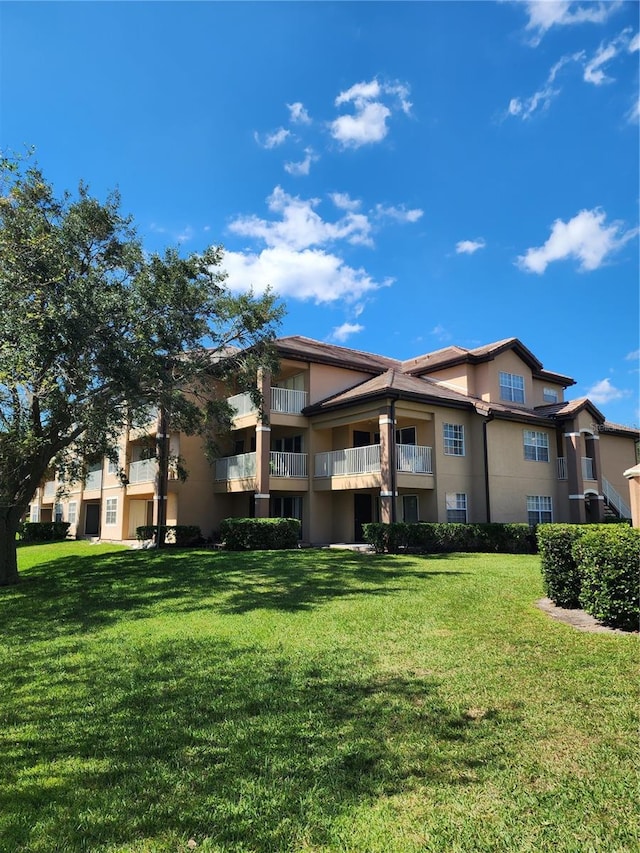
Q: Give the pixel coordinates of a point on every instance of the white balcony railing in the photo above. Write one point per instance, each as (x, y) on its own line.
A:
(587, 468)
(287, 464)
(288, 401)
(243, 404)
(561, 467)
(93, 480)
(50, 489)
(413, 459)
(285, 400)
(615, 500)
(142, 471)
(236, 467)
(351, 460)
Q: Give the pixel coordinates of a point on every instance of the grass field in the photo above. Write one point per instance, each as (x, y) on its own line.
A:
(306, 701)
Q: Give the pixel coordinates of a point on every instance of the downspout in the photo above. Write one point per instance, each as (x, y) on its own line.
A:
(485, 448)
(392, 461)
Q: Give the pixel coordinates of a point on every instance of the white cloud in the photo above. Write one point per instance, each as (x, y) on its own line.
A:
(593, 72)
(441, 333)
(298, 113)
(468, 247)
(543, 97)
(604, 392)
(272, 140)
(300, 226)
(634, 44)
(303, 166)
(633, 115)
(341, 333)
(311, 274)
(633, 356)
(373, 102)
(544, 14)
(399, 214)
(585, 238)
(343, 201)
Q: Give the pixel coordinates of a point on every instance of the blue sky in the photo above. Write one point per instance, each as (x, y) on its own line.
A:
(405, 175)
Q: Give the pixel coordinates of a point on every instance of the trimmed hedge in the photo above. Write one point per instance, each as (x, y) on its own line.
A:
(260, 534)
(439, 538)
(610, 571)
(182, 535)
(44, 531)
(560, 574)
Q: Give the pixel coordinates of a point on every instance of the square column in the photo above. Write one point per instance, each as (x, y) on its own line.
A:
(387, 462)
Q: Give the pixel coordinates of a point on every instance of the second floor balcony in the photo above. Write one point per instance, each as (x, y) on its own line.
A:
(410, 459)
(283, 400)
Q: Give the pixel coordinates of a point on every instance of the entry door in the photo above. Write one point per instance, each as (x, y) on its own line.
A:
(363, 514)
(92, 520)
(137, 516)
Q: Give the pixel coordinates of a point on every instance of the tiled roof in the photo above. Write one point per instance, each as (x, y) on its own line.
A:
(307, 349)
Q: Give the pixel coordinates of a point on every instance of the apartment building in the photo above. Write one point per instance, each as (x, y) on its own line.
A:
(347, 437)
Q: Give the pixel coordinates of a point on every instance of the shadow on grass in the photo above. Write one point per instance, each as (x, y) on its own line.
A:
(93, 590)
(194, 737)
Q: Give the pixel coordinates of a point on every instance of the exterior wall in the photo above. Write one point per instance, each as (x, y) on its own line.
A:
(325, 380)
(487, 377)
(617, 455)
(538, 391)
(512, 477)
(459, 473)
(460, 377)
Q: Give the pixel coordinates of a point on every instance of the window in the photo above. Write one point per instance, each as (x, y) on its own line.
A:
(406, 435)
(34, 513)
(289, 444)
(287, 507)
(511, 387)
(112, 467)
(410, 508)
(539, 509)
(57, 512)
(536, 446)
(453, 439)
(456, 507)
(549, 395)
(111, 514)
(72, 516)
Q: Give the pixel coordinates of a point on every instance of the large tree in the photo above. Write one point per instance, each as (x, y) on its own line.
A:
(93, 331)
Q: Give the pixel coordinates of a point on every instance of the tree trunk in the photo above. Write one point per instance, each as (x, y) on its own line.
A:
(8, 555)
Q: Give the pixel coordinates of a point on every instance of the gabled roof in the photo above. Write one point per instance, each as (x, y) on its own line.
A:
(392, 383)
(307, 349)
(453, 355)
(570, 408)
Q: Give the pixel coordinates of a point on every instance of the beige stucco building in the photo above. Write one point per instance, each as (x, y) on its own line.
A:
(347, 437)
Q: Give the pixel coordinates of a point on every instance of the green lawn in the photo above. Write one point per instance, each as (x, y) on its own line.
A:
(306, 701)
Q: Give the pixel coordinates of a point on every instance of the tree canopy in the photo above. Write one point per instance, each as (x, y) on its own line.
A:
(93, 331)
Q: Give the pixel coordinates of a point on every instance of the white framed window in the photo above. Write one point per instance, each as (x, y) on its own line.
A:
(112, 467)
(410, 512)
(58, 514)
(536, 446)
(539, 509)
(456, 507)
(34, 513)
(111, 513)
(511, 387)
(453, 439)
(549, 395)
(72, 512)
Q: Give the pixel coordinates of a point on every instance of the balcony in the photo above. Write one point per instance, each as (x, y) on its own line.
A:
(351, 460)
(413, 459)
(238, 467)
(561, 467)
(93, 480)
(283, 401)
(142, 471)
(588, 472)
(287, 464)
